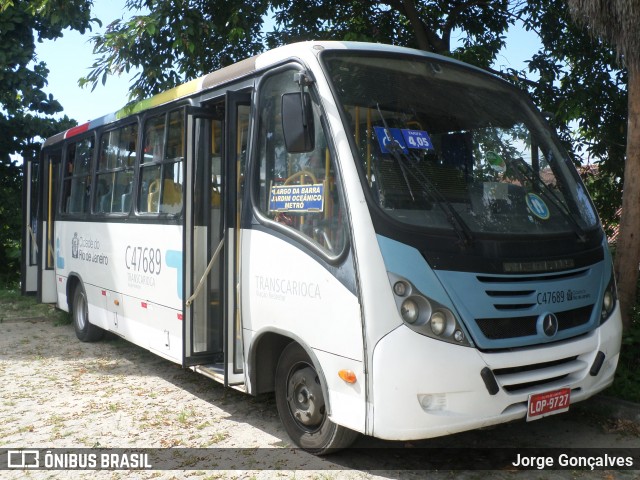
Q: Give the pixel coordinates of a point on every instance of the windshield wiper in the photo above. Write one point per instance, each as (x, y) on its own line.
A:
(393, 147)
(453, 217)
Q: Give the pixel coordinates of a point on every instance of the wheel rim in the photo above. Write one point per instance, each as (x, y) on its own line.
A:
(81, 311)
(305, 398)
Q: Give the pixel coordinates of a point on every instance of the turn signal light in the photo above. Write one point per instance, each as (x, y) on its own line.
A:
(348, 376)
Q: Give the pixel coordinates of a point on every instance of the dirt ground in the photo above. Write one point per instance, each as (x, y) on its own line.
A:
(56, 392)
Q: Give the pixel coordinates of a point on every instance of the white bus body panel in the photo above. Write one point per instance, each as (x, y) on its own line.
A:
(132, 275)
(287, 291)
(407, 366)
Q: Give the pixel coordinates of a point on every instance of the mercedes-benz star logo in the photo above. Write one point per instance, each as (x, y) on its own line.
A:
(549, 324)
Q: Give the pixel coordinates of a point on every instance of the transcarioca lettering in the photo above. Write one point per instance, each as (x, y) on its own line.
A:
(285, 286)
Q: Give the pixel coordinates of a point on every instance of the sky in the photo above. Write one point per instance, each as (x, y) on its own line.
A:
(70, 58)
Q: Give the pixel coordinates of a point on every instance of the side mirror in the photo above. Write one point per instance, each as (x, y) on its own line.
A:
(297, 122)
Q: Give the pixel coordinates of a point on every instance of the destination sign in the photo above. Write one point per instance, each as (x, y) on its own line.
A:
(297, 198)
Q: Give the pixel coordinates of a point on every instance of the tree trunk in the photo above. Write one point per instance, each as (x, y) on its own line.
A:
(627, 256)
(426, 38)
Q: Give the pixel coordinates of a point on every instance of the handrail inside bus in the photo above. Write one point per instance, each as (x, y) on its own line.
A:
(205, 274)
(301, 174)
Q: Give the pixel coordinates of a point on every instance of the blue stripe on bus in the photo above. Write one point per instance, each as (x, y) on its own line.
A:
(409, 263)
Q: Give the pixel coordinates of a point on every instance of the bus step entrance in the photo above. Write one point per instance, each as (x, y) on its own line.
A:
(215, 371)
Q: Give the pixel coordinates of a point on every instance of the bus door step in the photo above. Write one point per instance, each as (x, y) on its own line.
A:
(215, 371)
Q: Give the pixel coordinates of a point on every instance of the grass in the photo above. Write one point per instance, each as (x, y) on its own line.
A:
(14, 305)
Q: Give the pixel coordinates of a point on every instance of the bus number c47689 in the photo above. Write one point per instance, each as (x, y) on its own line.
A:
(557, 296)
(143, 259)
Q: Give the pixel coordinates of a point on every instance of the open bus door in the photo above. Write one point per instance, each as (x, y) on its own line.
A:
(30, 220)
(42, 198)
(212, 330)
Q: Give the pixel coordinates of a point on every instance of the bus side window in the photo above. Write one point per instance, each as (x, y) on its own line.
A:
(298, 190)
(114, 176)
(162, 166)
(77, 179)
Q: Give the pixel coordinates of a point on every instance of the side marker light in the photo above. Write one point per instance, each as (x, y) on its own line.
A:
(348, 376)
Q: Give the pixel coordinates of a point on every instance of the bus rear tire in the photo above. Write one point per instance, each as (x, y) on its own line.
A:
(85, 331)
(301, 405)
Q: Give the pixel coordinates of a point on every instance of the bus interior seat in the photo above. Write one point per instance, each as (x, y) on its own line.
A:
(215, 198)
(457, 150)
(125, 199)
(172, 195)
(451, 174)
(104, 204)
(116, 203)
(450, 181)
(78, 199)
(103, 195)
(448, 175)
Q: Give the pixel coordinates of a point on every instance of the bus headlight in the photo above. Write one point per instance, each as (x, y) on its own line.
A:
(438, 323)
(458, 335)
(409, 311)
(400, 288)
(608, 301)
(424, 315)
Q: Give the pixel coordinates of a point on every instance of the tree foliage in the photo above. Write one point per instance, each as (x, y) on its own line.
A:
(573, 75)
(25, 109)
(581, 84)
(618, 22)
(176, 41)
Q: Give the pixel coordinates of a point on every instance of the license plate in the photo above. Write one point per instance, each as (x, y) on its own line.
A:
(548, 403)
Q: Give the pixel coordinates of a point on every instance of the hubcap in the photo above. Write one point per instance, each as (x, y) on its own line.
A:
(81, 311)
(305, 398)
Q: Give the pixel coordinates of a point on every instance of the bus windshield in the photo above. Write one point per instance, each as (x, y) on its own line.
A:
(447, 148)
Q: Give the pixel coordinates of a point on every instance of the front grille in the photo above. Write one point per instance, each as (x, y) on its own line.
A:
(520, 279)
(574, 318)
(514, 327)
(510, 327)
(526, 377)
(507, 293)
(505, 311)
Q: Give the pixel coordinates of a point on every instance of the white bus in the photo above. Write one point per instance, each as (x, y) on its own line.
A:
(393, 242)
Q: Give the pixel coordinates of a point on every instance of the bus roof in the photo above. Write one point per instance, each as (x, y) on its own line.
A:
(229, 73)
(224, 75)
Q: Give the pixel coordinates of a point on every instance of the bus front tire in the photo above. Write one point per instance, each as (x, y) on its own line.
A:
(301, 405)
(85, 331)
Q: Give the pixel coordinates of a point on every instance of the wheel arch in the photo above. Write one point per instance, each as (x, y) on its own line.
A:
(73, 280)
(264, 354)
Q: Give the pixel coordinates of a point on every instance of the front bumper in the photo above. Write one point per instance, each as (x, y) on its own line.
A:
(425, 388)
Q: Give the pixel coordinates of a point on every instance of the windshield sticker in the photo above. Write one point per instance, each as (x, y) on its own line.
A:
(297, 198)
(537, 206)
(496, 162)
(404, 138)
(418, 139)
(386, 142)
